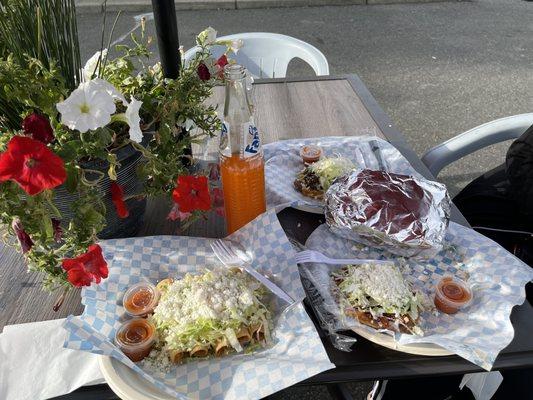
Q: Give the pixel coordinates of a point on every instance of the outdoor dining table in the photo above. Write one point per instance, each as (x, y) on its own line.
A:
(285, 109)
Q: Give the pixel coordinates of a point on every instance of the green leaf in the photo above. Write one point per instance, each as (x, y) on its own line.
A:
(69, 150)
(73, 177)
(47, 229)
(105, 137)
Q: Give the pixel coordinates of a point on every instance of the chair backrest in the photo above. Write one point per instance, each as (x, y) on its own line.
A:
(475, 139)
(267, 55)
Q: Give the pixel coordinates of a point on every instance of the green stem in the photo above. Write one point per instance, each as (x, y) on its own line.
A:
(39, 33)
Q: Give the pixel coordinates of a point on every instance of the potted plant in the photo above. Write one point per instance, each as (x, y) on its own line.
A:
(81, 149)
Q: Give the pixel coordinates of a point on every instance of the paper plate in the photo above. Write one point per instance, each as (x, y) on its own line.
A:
(127, 384)
(422, 349)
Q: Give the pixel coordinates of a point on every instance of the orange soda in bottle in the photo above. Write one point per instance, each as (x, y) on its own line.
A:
(242, 167)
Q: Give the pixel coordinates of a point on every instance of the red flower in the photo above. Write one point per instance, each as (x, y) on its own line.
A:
(85, 268)
(32, 165)
(203, 72)
(220, 64)
(192, 193)
(117, 196)
(58, 231)
(24, 239)
(222, 61)
(38, 127)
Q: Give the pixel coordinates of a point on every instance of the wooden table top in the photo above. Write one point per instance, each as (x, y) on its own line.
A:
(284, 109)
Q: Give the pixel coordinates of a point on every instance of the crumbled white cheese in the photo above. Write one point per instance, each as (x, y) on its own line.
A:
(199, 309)
(379, 289)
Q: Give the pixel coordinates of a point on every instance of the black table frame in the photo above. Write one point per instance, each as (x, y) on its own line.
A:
(370, 361)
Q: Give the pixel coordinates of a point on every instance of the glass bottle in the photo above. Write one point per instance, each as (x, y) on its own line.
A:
(242, 167)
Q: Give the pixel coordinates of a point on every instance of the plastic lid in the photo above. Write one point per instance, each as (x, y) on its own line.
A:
(454, 292)
(140, 299)
(311, 152)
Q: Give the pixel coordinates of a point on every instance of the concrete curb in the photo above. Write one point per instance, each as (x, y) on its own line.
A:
(96, 6)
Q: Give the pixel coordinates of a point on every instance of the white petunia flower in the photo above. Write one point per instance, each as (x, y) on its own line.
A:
(88, 107)
(109, 88)
(207, 36)
(156, 68)
(236, 45)
(134, 120)
(90, 66)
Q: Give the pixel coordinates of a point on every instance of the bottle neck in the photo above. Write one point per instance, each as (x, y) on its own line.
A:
(236, 99)
(239, 136)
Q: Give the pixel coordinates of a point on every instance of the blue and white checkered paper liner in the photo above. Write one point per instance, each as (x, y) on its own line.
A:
(479, 332)
(283, 162)
(297, 354)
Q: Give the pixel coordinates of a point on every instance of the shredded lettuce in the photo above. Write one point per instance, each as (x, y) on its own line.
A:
(328, 169)
(203, 309)
(379, 289)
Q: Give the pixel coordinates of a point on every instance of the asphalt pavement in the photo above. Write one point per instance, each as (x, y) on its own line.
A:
(437, 69)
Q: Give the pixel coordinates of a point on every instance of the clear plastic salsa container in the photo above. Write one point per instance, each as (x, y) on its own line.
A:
(136, 338)
(452, 294)
(140, 299)
(310, 153)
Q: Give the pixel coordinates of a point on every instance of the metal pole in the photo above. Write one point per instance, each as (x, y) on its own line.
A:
(167, 37)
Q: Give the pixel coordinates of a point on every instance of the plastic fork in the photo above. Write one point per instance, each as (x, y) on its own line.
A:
(313, 256)
(231, 253)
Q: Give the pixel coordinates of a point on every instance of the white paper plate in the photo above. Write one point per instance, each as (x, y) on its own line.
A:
(423, 349)
(127, 384)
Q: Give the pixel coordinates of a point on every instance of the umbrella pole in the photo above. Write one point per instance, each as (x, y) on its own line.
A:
(166, 26)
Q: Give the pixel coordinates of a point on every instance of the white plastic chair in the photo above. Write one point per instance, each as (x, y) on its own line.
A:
(267, 55)
(476, 139)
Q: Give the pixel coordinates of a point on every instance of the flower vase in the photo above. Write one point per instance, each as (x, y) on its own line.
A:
(116, 227)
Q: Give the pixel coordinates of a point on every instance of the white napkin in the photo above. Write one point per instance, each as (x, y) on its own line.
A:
(483, 384)
(34, 365)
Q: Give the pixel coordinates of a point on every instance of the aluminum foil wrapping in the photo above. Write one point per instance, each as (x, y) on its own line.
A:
(404, 215)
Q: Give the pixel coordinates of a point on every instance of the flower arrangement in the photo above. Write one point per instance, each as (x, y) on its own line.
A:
(58, 132)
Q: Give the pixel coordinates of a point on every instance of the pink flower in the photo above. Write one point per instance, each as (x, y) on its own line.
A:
(214, 171)
(220, 211)
(218, 197)
(218, 201)
(176, 214)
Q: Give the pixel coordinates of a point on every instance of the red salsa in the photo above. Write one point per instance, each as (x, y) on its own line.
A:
(310, 154)
(451, 295)
(136, 338)
(140, 299)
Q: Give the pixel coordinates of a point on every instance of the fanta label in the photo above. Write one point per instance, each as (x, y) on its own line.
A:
(252, 140)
